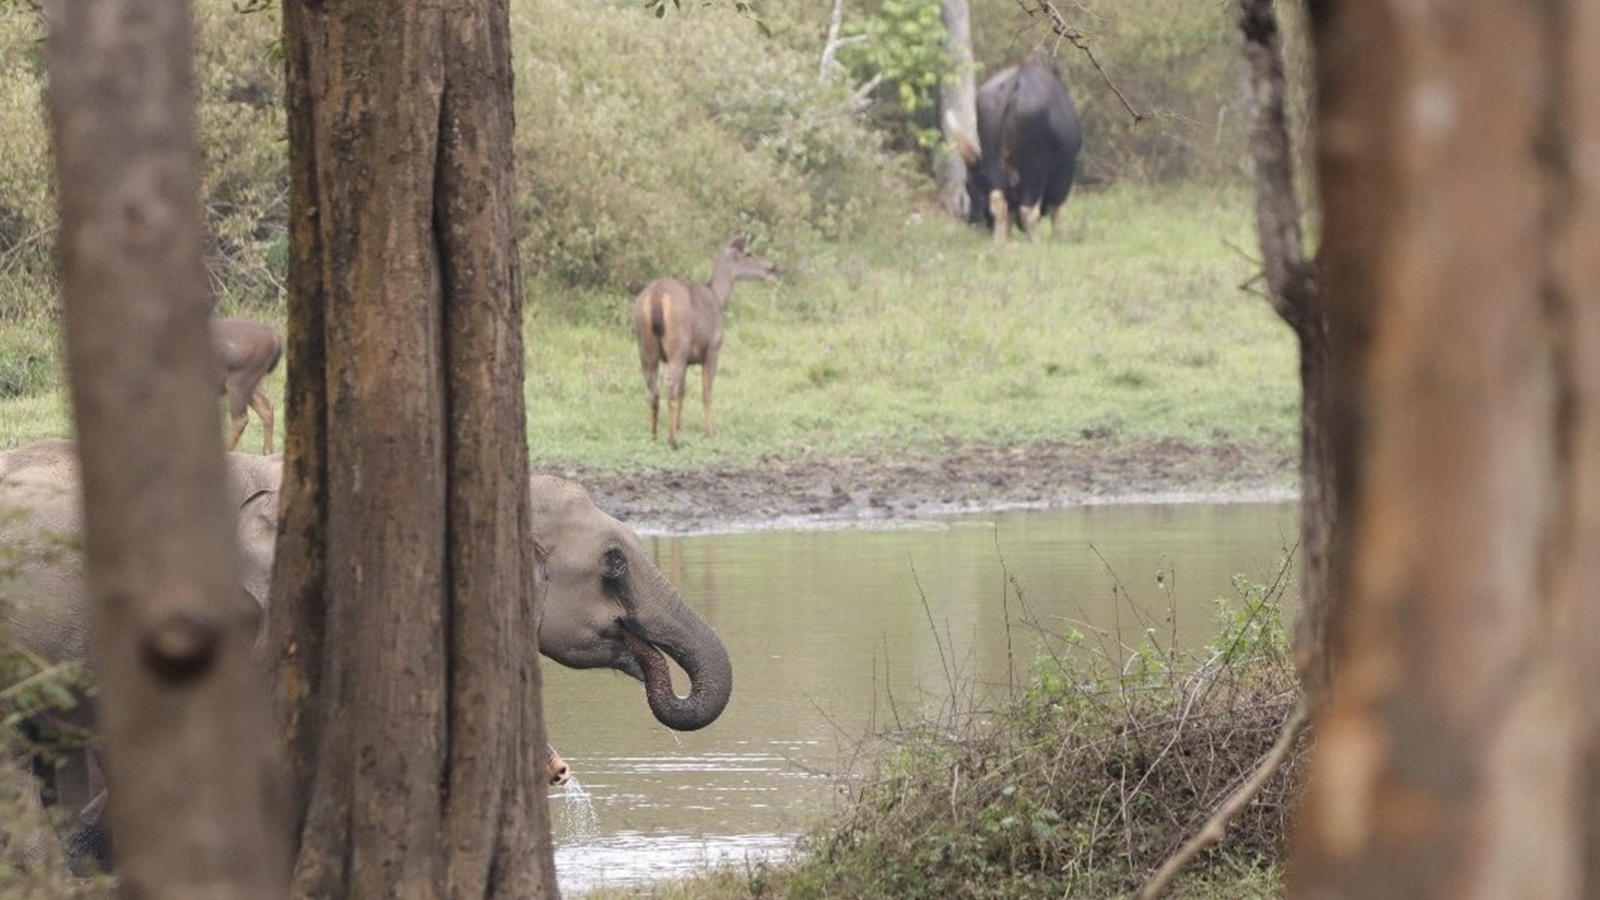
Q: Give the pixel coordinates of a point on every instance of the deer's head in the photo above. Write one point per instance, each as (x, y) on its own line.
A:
(739, 263)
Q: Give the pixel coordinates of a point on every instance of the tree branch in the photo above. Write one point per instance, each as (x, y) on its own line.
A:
(1216, 826)
(1291, 278)
(1079, 38)
(834, 42)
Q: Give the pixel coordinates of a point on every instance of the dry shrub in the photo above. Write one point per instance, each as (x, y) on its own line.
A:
(31, 863)
(1085, 781)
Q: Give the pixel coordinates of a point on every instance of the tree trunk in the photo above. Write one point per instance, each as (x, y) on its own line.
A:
(1292, 289)
(182, 711)
(957, 98)
(403, 628)
(1461, 276)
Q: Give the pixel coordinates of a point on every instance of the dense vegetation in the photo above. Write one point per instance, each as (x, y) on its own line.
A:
(642, 144)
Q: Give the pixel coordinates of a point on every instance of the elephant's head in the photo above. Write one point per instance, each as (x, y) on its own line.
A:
(605, 604)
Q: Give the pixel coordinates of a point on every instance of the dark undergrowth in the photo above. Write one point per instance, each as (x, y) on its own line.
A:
(1078, 783)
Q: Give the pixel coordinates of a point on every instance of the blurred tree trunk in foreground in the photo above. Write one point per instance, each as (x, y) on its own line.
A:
(402, 621)
(1456, 757)
(192, 787)
(1292, 288)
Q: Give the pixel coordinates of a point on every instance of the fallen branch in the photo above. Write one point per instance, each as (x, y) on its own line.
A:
(1216, 826)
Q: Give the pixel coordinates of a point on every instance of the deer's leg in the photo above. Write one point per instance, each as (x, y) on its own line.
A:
(708, 373)
(263, 408)
(237, 411)
(676, 375)
(652, 383)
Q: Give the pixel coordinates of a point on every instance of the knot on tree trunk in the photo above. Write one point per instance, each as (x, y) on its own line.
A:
(181, 647)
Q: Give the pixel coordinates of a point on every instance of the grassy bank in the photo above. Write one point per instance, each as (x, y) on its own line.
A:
(1129, 326)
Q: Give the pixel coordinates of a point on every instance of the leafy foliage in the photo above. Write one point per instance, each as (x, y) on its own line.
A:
(904, 44)
(642, 145)
(638, 170)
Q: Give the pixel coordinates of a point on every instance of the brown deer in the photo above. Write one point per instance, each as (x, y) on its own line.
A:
(247, 351)
(682, 324)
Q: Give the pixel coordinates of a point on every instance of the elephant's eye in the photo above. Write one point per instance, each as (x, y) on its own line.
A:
(614, 568)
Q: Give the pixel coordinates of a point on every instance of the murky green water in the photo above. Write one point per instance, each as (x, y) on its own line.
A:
(833, 632)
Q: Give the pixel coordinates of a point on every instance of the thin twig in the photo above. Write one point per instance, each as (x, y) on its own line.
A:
(1216, 826)
(1080, 39)
(38, 677)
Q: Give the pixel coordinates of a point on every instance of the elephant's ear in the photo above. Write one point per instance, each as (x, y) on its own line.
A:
(258, 533)
(249, 476)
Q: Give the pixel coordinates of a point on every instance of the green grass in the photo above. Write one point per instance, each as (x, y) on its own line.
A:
(1129, 326)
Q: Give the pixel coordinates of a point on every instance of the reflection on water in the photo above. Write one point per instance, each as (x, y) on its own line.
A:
(630, 858)
(835, 634)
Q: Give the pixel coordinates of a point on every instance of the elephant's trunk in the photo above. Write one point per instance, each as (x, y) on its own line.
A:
(661, 621)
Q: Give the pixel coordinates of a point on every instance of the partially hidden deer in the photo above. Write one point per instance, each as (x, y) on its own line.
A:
(247, 351)
(681, 323)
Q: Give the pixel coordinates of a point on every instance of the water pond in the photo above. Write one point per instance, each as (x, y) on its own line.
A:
(835, 632)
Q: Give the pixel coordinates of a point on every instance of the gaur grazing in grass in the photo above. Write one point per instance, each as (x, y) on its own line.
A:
(247, 351)
(681, 323)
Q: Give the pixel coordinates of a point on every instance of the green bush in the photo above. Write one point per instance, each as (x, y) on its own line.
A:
(27, 193)
(643, 144)
(30, 365)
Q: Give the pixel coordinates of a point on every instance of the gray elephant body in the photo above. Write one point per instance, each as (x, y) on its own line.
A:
(604, 604)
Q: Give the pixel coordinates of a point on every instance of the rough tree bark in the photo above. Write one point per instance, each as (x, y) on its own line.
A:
(958, 98)
(182, 710)
(1461, 278)
(402, 622)
(1292, 289)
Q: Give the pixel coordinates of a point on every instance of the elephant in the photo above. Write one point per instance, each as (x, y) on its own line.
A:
(604, 603)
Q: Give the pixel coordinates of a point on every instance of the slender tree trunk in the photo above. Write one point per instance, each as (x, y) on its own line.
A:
(1461, 276)
(1292, 289)
(957, 98)
(182, 711)
(403, 628)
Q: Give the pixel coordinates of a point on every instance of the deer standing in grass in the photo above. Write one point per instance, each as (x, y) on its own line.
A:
(681, 323)
(247, 351)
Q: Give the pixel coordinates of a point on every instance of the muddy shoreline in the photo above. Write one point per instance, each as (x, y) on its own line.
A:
(808, 491)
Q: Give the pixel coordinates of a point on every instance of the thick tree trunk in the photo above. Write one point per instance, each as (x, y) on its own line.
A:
(403, 626)
(1292, 289)
(1461, 276)
(957, 98)
(182, 709)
